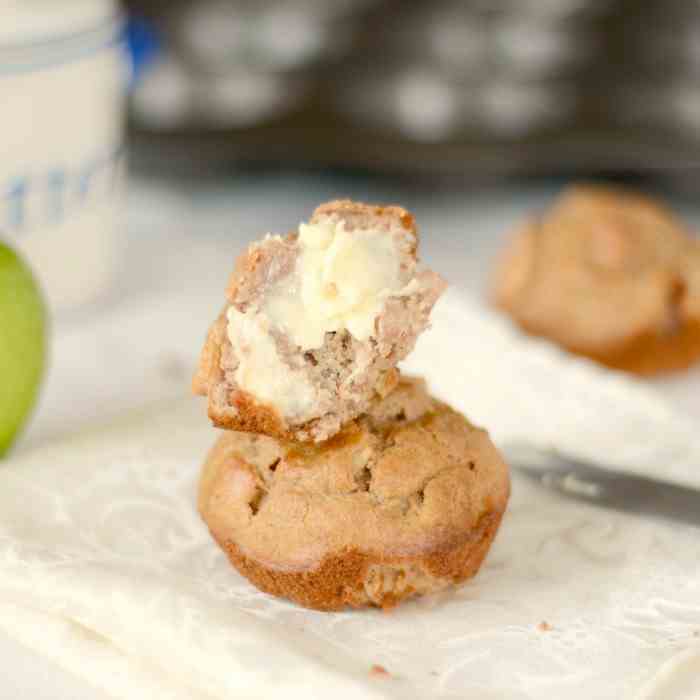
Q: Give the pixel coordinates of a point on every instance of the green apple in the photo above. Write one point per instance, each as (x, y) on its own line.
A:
(22, 344)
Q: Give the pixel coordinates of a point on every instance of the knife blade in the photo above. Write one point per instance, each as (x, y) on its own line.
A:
(606, 487)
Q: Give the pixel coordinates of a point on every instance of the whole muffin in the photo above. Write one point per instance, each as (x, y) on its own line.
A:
(406, 500)
(607, 274)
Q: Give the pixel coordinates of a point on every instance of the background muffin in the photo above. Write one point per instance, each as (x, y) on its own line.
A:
(607, 274)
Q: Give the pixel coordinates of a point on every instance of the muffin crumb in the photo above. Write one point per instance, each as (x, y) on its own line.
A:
(378, 671)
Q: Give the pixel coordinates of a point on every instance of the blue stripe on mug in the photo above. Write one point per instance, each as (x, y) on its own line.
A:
(42, 199)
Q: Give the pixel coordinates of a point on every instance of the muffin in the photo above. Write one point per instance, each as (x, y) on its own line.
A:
(315, 323)
(607, 274)
(405, 501)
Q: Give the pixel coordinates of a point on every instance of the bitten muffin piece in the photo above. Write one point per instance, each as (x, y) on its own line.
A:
(405, 501)
(610, 275)
(316, 322)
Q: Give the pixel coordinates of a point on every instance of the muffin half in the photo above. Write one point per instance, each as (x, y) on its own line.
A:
(315, 323)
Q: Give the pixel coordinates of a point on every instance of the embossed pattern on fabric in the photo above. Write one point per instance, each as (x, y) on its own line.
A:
(106, 567)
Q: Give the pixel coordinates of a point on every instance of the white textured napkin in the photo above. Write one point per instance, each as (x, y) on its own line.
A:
(106, 567)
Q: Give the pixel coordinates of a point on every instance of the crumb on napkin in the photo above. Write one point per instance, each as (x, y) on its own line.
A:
(379, 671)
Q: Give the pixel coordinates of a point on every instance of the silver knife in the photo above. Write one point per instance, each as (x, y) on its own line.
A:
(606, 487)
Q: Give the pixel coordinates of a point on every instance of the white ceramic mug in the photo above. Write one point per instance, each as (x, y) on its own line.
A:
(63, 74)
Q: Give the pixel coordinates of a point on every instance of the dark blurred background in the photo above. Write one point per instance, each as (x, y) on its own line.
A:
(475, 88)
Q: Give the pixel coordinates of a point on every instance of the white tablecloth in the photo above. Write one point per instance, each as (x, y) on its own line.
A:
(141, 346)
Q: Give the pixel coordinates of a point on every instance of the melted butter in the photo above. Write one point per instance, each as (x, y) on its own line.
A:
(341, 281)
(304, 454)
(261, 371)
